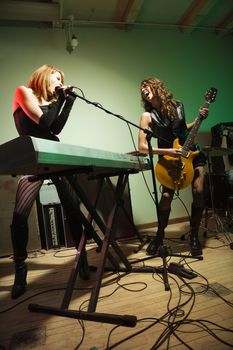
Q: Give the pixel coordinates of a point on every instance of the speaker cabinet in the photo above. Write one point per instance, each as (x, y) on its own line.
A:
(54, 232)
(52, 228)
(222, 136)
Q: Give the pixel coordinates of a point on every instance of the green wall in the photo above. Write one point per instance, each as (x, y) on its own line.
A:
(108, 66)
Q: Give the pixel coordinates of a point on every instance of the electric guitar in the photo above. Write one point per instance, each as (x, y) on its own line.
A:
(177, 173)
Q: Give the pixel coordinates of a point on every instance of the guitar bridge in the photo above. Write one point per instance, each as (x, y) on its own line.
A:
(175, 169)
(178, 164)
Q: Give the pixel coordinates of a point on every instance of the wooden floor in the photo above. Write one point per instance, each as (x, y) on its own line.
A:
(194, 314)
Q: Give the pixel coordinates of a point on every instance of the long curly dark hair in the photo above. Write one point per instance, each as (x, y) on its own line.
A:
(165, 97)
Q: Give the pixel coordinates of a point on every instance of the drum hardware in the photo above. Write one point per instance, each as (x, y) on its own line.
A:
(220, 225)
(217, 151)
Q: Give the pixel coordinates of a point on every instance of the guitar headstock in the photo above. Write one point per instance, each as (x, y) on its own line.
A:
(211, 95)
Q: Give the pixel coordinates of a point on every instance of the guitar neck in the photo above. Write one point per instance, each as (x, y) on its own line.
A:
(192, 134)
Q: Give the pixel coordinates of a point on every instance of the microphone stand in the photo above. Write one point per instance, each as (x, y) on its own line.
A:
(161, 250)
(98, 105)
(148, 132)
(174, 268)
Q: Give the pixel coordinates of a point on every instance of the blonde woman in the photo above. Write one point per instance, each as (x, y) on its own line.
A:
(40, 109)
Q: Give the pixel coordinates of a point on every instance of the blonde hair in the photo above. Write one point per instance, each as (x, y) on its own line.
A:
(165, 97)
(40, 80)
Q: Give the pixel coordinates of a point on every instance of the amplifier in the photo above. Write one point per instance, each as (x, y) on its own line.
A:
(51, 226)
(222, 136)
(54, 230)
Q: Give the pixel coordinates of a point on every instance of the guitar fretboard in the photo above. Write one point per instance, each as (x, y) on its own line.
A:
(190, 139)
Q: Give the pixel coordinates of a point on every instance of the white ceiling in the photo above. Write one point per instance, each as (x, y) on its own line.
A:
(184, 15)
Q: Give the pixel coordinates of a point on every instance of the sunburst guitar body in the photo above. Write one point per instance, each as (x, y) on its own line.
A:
(177, 173)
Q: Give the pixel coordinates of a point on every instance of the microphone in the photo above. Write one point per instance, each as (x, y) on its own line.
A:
(69, 90)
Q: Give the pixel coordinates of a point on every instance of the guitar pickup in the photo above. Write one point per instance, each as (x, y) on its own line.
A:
(185, 154)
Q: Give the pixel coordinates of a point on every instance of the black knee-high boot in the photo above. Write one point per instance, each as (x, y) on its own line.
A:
(158, 239)
(19, 237)
(196, 216)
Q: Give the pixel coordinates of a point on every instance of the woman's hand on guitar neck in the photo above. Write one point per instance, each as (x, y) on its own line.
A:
(203, 112)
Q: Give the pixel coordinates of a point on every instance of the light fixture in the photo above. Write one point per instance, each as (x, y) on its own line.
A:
(73, 42)
(71, 39)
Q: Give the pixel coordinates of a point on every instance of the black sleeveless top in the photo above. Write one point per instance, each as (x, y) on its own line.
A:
(167, 130)
(26, 126)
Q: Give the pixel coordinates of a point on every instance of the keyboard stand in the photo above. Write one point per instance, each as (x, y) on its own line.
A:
(108, 239)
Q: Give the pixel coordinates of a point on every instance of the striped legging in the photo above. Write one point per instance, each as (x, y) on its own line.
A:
(26, 194)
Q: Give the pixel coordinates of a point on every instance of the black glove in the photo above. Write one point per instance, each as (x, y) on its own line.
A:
(61, 120)
(47, 118)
